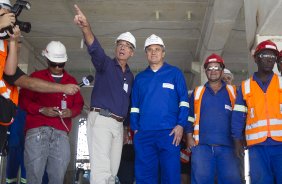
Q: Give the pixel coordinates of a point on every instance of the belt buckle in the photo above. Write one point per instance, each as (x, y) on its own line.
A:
(105, 112)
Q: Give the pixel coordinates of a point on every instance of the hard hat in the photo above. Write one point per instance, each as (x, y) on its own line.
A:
(127, 36)
(153, 40)
(6, 3)
(55, 52)
(226, 71)
(214, 58)
(266, 45)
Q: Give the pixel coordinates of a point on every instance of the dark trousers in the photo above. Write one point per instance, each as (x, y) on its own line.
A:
(126, 168)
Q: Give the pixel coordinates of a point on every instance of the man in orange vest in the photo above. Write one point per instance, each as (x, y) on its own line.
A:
(258, 113)
(209, 129)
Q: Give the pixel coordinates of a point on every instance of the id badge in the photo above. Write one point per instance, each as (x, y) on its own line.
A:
(63, 104)
(125, 87)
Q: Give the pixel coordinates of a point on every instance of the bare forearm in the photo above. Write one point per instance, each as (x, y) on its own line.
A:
(88, 35)
(38, 85)
(12, 58)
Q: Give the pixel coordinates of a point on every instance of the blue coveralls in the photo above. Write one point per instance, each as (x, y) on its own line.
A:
(214, 155)
(159, 103)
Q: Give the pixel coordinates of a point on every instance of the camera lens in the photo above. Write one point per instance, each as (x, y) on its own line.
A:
(24, 26)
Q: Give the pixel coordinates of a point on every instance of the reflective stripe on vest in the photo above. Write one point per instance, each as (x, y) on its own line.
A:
(134, 110)
(6, 90)
(268, 122)
(199, 91)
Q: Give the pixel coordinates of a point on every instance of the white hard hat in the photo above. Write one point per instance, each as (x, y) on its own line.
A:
(127, 36)
(153, 40)
(6, 3)
(226, 71)
(55, 52)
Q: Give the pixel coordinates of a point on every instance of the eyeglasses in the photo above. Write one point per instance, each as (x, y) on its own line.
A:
(214, 68)
(120, 45)
(267, 56)
(54, 65)
(156, 50)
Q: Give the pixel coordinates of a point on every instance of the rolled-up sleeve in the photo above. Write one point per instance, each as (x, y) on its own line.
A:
(98, 56)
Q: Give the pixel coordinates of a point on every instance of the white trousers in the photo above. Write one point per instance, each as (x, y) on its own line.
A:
(105, 140)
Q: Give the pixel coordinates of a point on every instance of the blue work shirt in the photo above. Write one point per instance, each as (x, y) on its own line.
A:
(239, 117)
(159, 99)
(215, 117)
(112, 86)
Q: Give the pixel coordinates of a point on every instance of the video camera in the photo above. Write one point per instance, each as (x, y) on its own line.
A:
(17, 9)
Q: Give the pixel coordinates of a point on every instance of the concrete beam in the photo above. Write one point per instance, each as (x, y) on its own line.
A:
(219, 24)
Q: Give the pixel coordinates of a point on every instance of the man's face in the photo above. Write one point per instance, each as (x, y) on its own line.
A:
(124, 50)
(155, 54)
(227, 78)
(265, 60)
(56, 68)
(214, 72)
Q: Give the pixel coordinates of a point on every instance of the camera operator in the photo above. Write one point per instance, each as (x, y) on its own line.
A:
(11, 76)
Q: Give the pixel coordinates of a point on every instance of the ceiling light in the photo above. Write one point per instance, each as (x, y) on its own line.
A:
(189, 15)
(157, 12)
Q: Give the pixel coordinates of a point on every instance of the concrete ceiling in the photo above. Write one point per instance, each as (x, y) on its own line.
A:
(191, 30)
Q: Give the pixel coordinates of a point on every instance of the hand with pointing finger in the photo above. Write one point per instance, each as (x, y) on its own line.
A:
(80, 18)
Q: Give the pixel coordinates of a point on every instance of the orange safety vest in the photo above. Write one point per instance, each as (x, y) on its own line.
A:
(198, 95)
(264, 115)
(6, 90)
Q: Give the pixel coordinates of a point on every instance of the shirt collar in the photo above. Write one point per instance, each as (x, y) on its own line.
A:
(161, 68)
(127, 69)
(207, 85)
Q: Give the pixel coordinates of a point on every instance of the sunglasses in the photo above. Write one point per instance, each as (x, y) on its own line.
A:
(54, 65)
(214, 68)
(267, 56)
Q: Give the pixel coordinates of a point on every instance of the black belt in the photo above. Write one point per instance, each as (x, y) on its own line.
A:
(107, 113)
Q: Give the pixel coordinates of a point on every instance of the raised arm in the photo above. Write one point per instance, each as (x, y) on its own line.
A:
(12, 58)
(81, 20)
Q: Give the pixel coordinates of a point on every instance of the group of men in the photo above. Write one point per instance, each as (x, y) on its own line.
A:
(160, 111)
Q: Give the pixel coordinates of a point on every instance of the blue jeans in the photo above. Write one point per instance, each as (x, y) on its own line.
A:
(265, 164)
(46, 147)
(211, 161)
(154, 149)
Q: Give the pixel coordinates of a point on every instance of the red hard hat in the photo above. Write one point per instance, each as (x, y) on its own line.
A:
(214, 58)
(266, 45)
